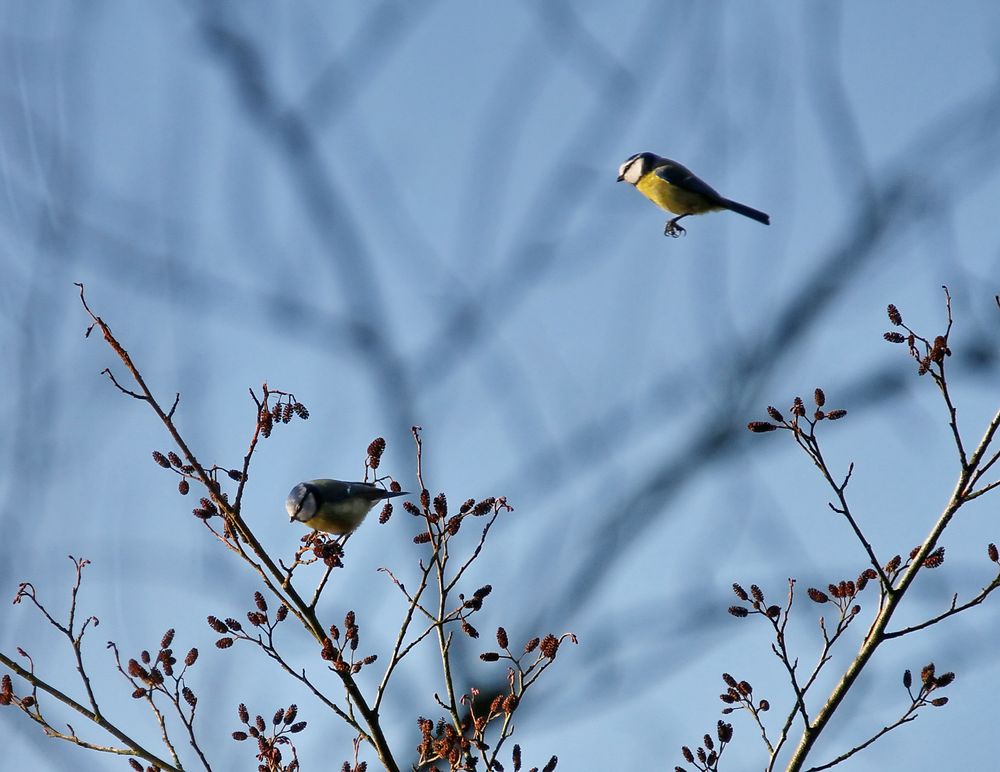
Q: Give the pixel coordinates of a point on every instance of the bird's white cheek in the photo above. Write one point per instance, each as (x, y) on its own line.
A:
(633, 175)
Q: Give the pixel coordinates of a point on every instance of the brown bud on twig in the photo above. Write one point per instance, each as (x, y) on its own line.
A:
(935, 559)
(993, 553)
(489, 656)
(894, 316)
(265, 421)
(836, 415)
(760, 427)
(531, 645)
(412, 508)
(375, 451)
(940, 349)
(183, 487)
(739, 611)
(817, 596)
(502, 638)
(819, 398)
(907, 679)
(441, 506)
(740, 592)
(943, 680)
(550, 645)
(483, 591)
(484, 506)
(894, 337)
(775, 415)
(385, 514)
(160, 459)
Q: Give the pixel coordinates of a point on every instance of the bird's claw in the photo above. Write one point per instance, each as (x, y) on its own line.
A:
(673, 230)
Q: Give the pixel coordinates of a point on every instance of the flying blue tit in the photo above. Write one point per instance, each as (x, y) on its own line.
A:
(334, 506)
(675, 188)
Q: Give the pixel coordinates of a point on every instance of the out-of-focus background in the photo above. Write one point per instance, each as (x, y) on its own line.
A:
(406, 213)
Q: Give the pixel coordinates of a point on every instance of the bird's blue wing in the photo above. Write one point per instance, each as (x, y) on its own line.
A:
(683, 178)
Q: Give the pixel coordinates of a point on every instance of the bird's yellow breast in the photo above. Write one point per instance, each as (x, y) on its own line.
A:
(341, 517)
(673, 198)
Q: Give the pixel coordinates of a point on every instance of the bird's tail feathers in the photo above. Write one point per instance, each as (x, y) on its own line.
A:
(746, 211)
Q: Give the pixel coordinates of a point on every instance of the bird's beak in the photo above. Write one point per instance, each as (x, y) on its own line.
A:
(621, 177)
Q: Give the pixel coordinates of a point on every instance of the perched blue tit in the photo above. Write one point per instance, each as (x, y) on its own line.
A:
(334, 506)
(675, 188)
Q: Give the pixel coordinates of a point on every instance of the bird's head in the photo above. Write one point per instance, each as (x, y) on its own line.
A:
(638, 166)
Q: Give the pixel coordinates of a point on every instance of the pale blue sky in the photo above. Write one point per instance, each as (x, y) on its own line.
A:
(452, 195)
